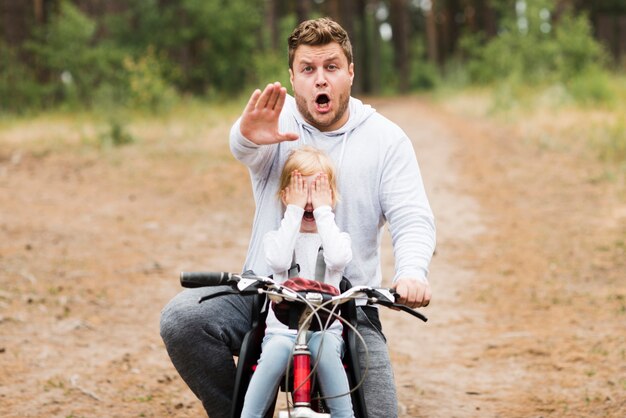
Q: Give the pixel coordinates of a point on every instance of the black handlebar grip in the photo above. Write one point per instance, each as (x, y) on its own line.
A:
(193, 279)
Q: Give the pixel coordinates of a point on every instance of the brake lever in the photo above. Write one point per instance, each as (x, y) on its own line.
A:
(408, 310)
(214, 295)
(242, 285)
(388, 300)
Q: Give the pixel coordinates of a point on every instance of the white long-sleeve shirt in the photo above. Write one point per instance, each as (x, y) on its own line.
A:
(379, 182)
(279, 246)
(287, 244)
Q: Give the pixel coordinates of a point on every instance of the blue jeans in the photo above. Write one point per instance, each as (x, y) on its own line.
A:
(201, 339)
(275, 356)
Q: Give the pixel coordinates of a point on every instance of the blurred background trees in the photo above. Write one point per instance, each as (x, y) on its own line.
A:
(148, 53)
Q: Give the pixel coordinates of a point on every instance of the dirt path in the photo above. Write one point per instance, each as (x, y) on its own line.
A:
(431, 350)
(529, 307)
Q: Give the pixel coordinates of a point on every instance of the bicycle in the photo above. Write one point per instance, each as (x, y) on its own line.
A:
(304, 307)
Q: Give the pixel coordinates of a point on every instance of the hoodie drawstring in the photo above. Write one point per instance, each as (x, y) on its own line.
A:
(343, 148)
(301, 129)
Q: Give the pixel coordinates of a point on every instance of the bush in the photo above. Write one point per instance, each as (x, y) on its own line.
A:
(611, 143)
(147, 88)
(19, 88)
(69, 61)
(534, 52)
(578, 52)
(269, 67)
(591, 87)
(424, 74)
(223, 37)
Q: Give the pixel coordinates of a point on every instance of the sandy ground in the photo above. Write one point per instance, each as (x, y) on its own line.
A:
(528, 317)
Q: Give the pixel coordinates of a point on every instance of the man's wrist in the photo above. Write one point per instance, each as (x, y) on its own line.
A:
(419, 278)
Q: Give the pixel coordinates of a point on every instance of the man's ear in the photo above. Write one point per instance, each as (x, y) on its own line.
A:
(351, 72)
(291, 79)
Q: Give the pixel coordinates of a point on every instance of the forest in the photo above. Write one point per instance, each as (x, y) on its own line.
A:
(148, 54)
(116, 174)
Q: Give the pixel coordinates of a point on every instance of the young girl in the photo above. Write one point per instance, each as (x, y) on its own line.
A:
(308, 191)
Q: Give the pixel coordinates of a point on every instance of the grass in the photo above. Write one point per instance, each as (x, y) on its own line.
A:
(584, 116)
(556, 117)
(188, 122)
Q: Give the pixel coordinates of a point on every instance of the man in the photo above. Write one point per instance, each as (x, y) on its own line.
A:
(379, 181)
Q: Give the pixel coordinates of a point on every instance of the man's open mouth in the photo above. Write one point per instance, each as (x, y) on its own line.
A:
(322, 101)
(308, 216)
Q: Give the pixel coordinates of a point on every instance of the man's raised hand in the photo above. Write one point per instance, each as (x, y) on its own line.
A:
(259, 121)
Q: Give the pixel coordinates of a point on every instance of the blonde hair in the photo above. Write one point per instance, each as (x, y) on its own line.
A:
(309, 161)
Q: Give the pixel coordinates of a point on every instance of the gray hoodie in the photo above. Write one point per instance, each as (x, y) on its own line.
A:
(379, 181)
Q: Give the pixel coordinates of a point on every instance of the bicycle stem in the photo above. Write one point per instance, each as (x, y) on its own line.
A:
(301, 371)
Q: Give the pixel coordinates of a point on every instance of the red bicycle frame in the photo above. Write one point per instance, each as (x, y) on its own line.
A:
(301, 374)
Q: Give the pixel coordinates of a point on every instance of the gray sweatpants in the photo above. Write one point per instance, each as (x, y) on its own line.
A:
(201, 340)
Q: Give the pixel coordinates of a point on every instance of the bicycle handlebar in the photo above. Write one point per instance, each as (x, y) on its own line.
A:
(254, 284)
(204, 278)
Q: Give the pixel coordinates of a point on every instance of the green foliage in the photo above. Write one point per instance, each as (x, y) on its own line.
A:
(215, 44)
(591, 87)
(388, 73)
(531, 49)
(222, 37)
(269, 68)
(148, 53)
(424, 75)
(119, 134)
(141, 24)
(534, 54)
(270, 65)
(147, 88)
(140, 57)
(19, 87)
(577, 50)
(115, 132)
(69, 61)
(611, 144)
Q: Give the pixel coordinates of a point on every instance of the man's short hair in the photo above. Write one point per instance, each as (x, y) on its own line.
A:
(317, 32)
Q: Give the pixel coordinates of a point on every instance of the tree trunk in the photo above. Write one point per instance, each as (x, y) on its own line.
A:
(400, 27)
(432, 44)
(331, 9)
(303, 10)
(271, 23)
(374, 58)
(361, 49)
(16, 18)
(487, 18)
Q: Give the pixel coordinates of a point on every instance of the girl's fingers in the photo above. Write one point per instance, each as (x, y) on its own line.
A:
(300, 182)
(293, 181)
(297, 183)
(321, 183)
